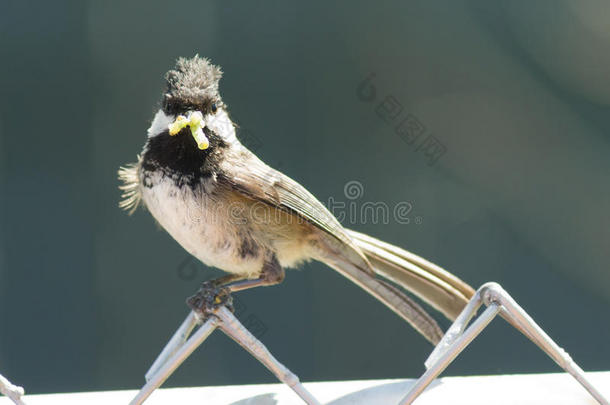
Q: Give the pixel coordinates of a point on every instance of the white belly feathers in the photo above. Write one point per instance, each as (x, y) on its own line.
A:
(198, 225)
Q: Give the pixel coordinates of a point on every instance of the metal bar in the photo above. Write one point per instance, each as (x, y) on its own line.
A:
(13, 392)
(176, 360)
(450, 353)
(236, 331)
(498, 301)
(456, 329)
(176, 341)
(544, 341)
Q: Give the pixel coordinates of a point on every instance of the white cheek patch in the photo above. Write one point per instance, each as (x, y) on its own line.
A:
(220, 124)
(160, 123)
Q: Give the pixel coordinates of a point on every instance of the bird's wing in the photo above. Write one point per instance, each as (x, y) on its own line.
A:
(250, 176)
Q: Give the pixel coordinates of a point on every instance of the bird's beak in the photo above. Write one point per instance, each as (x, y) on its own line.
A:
(196, 123)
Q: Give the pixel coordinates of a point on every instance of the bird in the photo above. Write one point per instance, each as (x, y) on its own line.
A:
(230, 210)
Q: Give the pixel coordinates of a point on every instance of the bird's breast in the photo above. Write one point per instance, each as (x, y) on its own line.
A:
(202, 222)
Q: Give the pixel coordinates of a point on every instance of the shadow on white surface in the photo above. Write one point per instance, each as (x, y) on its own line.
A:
(264, 399)
(390, 393)
(521, 389)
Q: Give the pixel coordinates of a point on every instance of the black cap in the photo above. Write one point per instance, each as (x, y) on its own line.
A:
(192, 85)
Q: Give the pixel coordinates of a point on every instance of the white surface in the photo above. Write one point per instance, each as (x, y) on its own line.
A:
(533, 389)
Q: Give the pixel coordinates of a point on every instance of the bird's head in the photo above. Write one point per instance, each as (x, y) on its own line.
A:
(192, 110)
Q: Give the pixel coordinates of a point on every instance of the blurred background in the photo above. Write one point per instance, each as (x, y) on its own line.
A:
(502, 159)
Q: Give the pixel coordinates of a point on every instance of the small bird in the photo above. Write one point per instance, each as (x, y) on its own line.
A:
(232, 211)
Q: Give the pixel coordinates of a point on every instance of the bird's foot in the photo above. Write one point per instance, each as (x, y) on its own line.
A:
(209, 298)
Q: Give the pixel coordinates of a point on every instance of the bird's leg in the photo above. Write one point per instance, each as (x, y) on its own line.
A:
(215, 293)
(224, 280)
(272, 273)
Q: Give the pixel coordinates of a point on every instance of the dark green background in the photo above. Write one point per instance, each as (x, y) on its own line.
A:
(517, 93)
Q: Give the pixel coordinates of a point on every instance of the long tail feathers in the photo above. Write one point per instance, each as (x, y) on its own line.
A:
(392, 297)
(437, 287)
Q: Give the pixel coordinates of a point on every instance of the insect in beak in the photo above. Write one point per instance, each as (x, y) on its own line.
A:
(196, 123)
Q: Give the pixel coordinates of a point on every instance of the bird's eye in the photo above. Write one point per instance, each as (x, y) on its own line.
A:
(214, 108)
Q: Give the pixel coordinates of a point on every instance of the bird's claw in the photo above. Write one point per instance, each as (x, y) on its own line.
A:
(209, 298)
